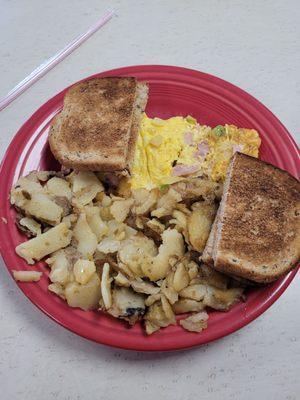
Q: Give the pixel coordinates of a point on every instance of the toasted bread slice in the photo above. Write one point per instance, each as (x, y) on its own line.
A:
(258, 228)
(93, 131)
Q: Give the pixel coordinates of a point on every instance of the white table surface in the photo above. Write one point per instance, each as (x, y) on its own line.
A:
(253, 44)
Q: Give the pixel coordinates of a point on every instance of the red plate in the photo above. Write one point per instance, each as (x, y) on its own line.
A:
(173, 91)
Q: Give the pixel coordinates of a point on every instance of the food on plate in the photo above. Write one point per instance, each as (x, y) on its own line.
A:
(27, 276)
(169, 150)
(102, 128)
(85, 296)
(195, 323)
(98, 126)
(135, 227)
(135, 257)
(52, 240)
(257, 231)
(199, 224)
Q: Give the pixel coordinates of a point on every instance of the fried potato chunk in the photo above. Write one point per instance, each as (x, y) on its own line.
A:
(195, 323)
(44, 244)
(137, 253)
(133, 254)
(199, 224)
(27, 276)
(85, 296)
(172, 245)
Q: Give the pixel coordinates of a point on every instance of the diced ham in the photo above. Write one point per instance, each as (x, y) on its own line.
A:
(188, 138)
(181, 170)
(203, 150)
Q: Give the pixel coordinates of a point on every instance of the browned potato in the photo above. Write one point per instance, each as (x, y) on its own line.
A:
(43, 208)
(181, 277)
(169, 313)
(194, 292)
(85, 187)
(159, 315)
(31, 225)
(208, 275)
(167, 203)
(172, 245)
(196, 322)
(222, 299)
(124, 188)
(170, 294)
(120, 209)
(126, 304)
(86, 240)
(199, 225)
(84, 296)
(95, 222)
(186, 305)
(44, 244)
(59, 187)
(133, 254)
(144, 200)
(136, 253)
(27, 276)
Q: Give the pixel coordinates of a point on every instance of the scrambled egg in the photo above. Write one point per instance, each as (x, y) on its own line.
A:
(170, 150)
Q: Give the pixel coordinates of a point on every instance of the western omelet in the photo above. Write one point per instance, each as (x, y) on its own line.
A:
(171, 150)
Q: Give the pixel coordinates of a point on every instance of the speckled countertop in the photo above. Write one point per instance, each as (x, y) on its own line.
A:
(254, 45)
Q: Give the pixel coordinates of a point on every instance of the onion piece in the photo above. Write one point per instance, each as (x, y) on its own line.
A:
(203, 148)
(181, 170)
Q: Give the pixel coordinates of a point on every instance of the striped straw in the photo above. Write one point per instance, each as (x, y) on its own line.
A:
(47, 65)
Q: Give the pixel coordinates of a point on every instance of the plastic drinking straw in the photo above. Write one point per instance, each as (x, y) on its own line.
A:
(47, 65)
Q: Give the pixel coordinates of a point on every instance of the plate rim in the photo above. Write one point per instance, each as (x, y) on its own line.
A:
(283, 283)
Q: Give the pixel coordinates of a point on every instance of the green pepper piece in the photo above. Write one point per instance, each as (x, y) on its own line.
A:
(191, 120)
(163, 187)
(219, 130)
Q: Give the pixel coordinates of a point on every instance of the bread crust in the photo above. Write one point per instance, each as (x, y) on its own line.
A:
(225, 266)
(139, 108)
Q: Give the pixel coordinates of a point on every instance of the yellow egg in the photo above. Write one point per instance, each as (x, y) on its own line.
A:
(182, 141)
(159, 144)
(246, 141)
